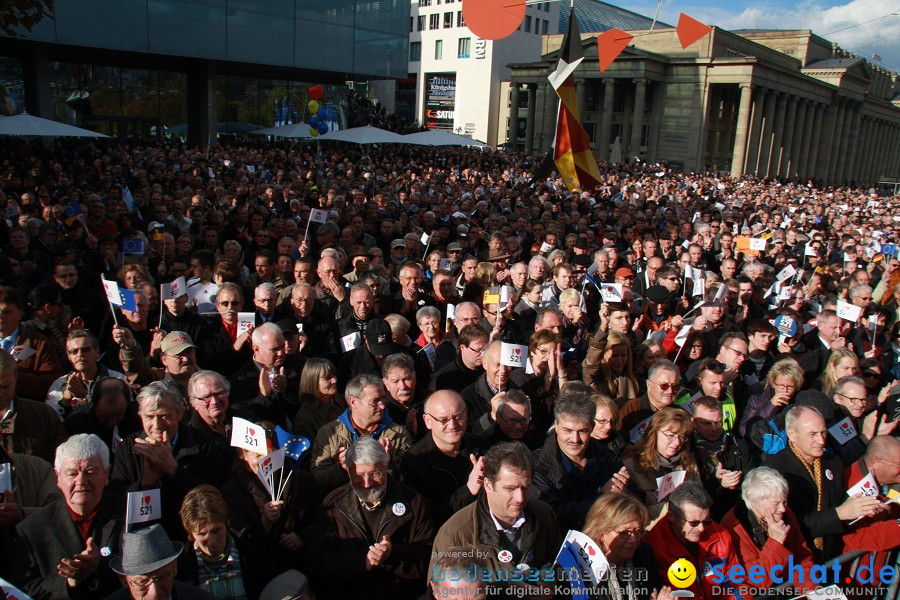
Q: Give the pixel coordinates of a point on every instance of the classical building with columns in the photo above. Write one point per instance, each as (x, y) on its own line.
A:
(771, 103)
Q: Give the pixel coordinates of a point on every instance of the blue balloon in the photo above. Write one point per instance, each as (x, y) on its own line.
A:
(314, 122)
(322, 114)
(323, 128)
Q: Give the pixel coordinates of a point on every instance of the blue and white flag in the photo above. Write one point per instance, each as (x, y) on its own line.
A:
(132, 246)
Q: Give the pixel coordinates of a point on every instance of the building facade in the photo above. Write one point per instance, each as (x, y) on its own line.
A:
(135, 67)
(770, 103)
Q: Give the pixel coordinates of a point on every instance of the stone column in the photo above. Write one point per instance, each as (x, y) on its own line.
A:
(609, 88)
(845, 147)
(790, 123)
(777, 136)
(529, 122)
(802, 145)
(837, 142)
(797, 138)
(512, 132)
(579, 99)
(850, 170)
(765, 145)
(739, 153)
(637, 117)
(865, 147)
(759, 100)
(823, 144)
(551, 101)
(818, 117)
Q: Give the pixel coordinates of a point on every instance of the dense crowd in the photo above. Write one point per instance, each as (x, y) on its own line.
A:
(461, 362)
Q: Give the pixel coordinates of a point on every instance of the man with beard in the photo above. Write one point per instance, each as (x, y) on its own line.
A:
(373, 535)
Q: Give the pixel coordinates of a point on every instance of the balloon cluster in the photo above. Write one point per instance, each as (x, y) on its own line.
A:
(317, 124)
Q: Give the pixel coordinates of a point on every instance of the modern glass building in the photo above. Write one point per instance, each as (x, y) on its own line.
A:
(161, 67)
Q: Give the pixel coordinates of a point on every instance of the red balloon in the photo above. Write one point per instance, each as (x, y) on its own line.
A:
(316, 91)
(493, 19)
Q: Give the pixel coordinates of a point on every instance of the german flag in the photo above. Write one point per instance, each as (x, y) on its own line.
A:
(572, 147)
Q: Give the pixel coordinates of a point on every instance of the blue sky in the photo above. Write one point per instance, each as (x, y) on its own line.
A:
(880, 37)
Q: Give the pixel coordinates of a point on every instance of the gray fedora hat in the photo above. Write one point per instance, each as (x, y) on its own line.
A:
(144, 551)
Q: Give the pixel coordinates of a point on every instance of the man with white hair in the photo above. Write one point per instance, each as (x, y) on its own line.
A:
(63, 549)
(373, 535)
(264, 385)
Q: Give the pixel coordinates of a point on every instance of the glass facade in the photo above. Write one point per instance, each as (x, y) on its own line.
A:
(359, 37)
(12, 86)
(260, 102)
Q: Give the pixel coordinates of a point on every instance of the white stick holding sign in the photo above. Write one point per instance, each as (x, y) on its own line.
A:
(426, 239)
(245, 322)
(142, 506)
(112, 296)
(666, 484)
(316, 215)
(248, 436)
(848, 312)
(513, 355)
(267, 467)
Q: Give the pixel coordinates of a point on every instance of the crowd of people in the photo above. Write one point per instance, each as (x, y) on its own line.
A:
(462, 362)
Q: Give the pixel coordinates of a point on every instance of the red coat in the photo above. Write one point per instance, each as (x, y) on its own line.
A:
(716, 550)
(772, 552)
(878, 535)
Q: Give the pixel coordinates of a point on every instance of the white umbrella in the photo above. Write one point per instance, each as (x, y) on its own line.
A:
(615, 154)
(29, 125)
(363, 135)
(436, 137)
(294, 130)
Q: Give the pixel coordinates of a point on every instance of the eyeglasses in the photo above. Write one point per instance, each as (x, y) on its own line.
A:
(663, 386)
(602, 422)
(229, 303)
(673, 436)
(515, 422)
(376, 476)
(144, 583)
(460, 419)
(871, 374)
(785, 386)
(854, 400)
(207, 399)
(373, 403)
(693, 524)
(738, 352)
(634, 533)
(79, 350)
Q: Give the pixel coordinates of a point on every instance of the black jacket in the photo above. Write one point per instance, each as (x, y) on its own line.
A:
(455, 376)
(734, 455)
(277, 407)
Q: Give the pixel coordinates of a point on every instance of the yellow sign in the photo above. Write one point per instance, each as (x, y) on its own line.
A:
(682, 573)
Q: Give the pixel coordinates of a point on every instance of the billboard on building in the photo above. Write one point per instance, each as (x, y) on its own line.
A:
(440, 100)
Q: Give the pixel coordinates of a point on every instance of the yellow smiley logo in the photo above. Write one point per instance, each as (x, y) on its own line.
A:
(682, 573)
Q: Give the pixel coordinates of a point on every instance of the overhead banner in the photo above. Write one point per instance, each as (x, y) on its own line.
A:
(440, 100)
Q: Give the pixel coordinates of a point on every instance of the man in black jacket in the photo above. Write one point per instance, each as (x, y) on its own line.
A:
(263, 385)
(467, 365)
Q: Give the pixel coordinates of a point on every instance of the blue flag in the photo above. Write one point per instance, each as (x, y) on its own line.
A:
(127, 300)
(132, 246)
(294, 445)
(568, 560)
(73, 209)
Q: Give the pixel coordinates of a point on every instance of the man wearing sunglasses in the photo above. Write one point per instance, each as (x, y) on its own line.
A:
(688, 531)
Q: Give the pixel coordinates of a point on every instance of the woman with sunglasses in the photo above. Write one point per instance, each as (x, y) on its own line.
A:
(617, 522)
(665, 447)
(783, 381)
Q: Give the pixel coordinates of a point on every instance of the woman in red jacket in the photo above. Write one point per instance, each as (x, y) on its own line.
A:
(766, 533)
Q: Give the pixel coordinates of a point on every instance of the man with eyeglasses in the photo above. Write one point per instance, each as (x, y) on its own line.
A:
(178, 355)
(688, 531)
(222, 348)
(572, 468)
(446, 466)
(366, 416)
(467, 313)
(663, 382)
(495, 378)
(509, 421)
(468, 363)
(208, 393)
(721, 457)
(73, 389)
(372, 538)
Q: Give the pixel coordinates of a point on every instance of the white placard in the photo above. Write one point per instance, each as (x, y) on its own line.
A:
(699, 287)
(351, 341)
(5, 482)
(445, 264)
(251, 169)
(112, 291)
(692, 273)
(786, 273)
(638, 431)
(758, 244)
(590, 556)
(843, 431)
(545, 247)
(142, 506)
(504, 297)
(22, 352)
(810, 251)
(666, 484)
(248, 436)
(425, 238)
(268, 465)
(11, 592)
(683, 334)
(318, 215)
(513, 355)
(867, 486)
(174, 289)
(245, 322)
(611, 292)
(451, 312)
(848, 312)
(720, 293)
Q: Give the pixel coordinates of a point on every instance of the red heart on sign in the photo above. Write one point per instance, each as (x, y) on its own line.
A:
(266, 462)
(591, 550)
(146, 499)
(251, 430)
(518, 351)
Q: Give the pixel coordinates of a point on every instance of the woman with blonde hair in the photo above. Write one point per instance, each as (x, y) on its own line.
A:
(843, 362)
(320, 401)
(606, 423)
(615, 376)
(783, 381)
(617, 523)
(485, 273)
(665, 447)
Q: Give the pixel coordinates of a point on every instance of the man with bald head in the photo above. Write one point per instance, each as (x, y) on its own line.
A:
(444, 466)
(495, 379)
(816, 488)
(467, 313)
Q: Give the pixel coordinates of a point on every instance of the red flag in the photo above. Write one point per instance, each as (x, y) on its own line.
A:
(690, 30)
(493, 19)
(610, 45)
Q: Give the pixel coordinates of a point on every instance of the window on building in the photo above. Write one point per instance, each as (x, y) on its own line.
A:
(434, 21)
(438, 49)
(460, 22)
(648, 98)
(415, 51)
(545, 27)
(424, 3)
(412, 24)
(527, 23)
(420, 22)
(448, 20)
(645, 136)
(463, 49)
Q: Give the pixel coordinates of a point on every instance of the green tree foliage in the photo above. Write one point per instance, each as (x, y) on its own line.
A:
(16, 15)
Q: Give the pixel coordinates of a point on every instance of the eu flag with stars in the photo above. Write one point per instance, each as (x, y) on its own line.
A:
(132, 246)
(294, 445)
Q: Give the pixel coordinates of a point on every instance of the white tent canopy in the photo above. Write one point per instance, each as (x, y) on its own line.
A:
(28, 125)
(294, 130)
(363, 135)
(436, 137)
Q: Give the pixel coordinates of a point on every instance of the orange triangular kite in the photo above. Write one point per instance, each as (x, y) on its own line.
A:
(493, 19)
(690, 30)
(610, 45)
